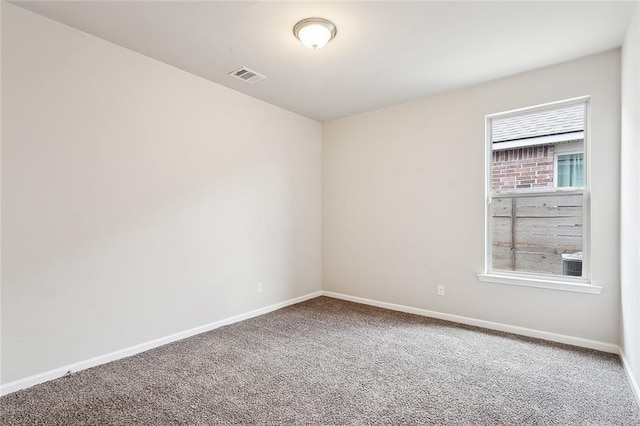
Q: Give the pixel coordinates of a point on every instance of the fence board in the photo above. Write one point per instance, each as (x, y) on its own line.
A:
(502, 259)
(539, 262)
(546, 250)
(557, 243)
(548, 211)
(548, 263)
(533, 236)
(550, 226)
(501, 207)
(501, 230)
(550, 200)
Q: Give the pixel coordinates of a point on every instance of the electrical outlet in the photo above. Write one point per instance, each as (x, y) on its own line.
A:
(259, 288)
(440, 290)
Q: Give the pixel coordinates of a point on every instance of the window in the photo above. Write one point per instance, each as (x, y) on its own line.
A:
(537, 197)
(569, 170)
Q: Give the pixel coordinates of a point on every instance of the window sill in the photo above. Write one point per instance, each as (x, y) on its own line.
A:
(551, 284)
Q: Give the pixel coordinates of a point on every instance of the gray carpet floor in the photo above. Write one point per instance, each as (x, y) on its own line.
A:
(331, 362)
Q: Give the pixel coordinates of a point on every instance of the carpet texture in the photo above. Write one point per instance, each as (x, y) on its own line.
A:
(331, 362)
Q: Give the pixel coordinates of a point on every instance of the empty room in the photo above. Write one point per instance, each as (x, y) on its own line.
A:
(320, 213)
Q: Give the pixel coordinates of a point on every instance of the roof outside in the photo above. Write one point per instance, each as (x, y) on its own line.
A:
(542, 123)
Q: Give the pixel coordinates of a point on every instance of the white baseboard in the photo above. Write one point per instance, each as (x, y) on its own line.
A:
(112, 356)
(632, 380)
(529, 332)
(133, 350)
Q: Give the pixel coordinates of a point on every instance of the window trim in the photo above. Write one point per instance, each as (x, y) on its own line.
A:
(576, 286)
(554, 282)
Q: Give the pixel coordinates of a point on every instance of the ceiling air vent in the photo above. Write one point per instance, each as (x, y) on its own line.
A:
(245, 74)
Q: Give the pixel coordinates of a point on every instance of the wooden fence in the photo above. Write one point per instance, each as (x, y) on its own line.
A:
(531, 233)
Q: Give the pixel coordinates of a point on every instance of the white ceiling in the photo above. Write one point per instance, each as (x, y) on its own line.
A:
(385, 52)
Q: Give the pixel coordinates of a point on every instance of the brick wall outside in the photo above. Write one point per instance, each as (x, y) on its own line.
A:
(527, 167)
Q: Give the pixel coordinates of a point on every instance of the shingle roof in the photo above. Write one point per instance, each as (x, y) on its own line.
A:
(542, 123)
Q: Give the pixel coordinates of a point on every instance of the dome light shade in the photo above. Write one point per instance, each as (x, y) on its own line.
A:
(314, 32)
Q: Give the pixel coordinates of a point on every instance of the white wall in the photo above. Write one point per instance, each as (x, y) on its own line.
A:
(403, 203)
(140, 200)
(630, 196)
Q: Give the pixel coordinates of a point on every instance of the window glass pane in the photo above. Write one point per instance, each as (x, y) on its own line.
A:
(540, 234)
(524, 148)
(570, 170)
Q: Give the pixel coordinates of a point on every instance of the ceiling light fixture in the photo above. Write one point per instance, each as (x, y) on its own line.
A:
(315, 32)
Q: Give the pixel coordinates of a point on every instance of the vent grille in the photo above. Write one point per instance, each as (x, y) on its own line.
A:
(247, 75)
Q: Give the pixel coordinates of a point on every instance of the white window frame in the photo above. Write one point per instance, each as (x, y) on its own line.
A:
(547, 281)
(560, 150)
